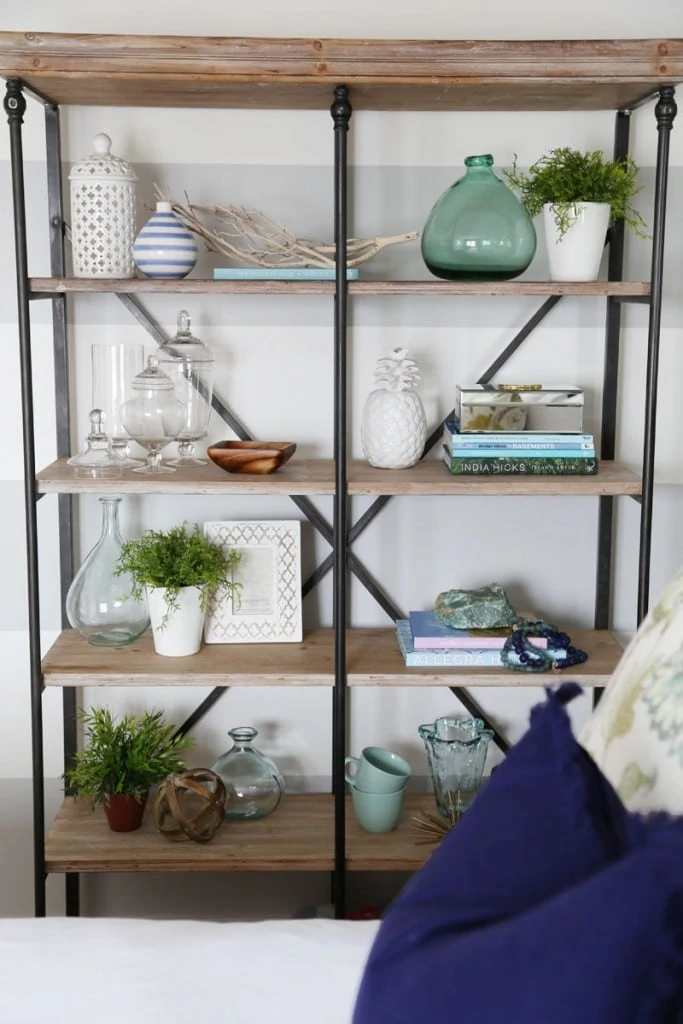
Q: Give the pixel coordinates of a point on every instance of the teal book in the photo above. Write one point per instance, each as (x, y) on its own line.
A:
(280, 274)
(507, 466)
(455, 658)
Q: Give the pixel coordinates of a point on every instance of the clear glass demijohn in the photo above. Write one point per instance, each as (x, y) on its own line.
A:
(99, 604)
(190, 365)
(254, 784)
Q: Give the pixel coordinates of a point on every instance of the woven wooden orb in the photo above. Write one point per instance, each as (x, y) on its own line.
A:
(190, 805)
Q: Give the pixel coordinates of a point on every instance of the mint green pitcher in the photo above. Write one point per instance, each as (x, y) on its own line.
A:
(456, 753)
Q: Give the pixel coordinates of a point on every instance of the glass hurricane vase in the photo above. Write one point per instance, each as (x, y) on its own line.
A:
(98, 603)
(478, 229)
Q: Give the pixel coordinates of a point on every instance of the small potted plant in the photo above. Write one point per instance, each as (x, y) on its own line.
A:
(580, 195)
(176, 572)
(121, 761)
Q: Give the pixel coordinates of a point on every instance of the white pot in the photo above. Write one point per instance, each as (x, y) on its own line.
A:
(181, 633)
(577, 255)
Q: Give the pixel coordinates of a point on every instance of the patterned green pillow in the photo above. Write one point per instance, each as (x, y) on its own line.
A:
(636, 733)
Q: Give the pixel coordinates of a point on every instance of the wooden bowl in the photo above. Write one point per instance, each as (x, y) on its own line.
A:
(250, 456)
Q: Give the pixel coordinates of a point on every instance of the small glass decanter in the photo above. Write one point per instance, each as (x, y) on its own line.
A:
(98, 603)
(254, 784)
(153, 416)
(478, 229)
(96, 460)
(456, 753)
(189, 364)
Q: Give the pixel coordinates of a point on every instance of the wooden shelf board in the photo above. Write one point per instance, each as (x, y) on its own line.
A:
(298, 836)
(301, 73)
(432, 287)
(373, 659)
(300, 476)
(71, 661)
(432, 477)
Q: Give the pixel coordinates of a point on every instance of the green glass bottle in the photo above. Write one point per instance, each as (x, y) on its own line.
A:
(478, 229)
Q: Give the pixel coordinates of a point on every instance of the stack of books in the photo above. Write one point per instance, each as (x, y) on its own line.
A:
(424, 641)
(507, 453)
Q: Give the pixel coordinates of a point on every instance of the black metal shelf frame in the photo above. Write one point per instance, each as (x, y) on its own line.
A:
(340, 534)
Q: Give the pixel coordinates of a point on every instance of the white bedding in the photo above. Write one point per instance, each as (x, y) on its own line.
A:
(110, 971)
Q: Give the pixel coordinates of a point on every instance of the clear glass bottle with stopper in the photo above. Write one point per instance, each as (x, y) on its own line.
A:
(190, 365)
(97, 461)
(153, 416)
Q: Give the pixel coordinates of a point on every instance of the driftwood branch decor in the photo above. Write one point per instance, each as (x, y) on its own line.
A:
(249, 236)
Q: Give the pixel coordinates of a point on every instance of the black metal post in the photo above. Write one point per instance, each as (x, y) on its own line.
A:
(665, 112)
(602, 610)
(615, 272)
(53, 151)
(341, 115)
(15, 108)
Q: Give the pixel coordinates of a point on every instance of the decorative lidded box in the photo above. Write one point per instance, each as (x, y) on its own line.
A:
(534, 408)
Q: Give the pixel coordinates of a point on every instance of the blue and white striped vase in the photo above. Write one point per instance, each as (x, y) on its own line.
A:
(165, 248)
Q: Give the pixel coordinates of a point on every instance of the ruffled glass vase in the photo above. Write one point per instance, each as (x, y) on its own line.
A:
(98, 603)
(478, 229)
(253, 783)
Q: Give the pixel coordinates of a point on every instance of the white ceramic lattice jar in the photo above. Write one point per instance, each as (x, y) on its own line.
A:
(102, 213)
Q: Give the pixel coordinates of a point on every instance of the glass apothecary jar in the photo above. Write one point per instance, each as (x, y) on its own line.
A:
(190, 365)
(153, 416)
(254, 784)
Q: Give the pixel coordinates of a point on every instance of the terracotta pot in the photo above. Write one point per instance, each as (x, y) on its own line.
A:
(124, 813)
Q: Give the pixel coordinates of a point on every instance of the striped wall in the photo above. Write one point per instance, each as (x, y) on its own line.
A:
(274, 363)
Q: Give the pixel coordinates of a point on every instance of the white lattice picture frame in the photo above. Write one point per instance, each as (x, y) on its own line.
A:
(267, 608)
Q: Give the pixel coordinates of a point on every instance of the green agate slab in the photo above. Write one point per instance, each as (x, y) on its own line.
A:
(485, 608)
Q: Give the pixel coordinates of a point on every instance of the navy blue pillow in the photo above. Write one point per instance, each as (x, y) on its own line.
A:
(547, 904)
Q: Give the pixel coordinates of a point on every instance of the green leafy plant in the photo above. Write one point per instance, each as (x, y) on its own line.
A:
(180, 557)
(128, 756)
(565, 177)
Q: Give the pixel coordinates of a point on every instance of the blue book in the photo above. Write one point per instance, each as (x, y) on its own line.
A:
(453, 658)
(428, 633)
(460, 452)
(483, 438)
(280, 274)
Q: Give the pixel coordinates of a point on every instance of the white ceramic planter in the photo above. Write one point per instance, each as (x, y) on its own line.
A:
(182, 633)
(577, 255)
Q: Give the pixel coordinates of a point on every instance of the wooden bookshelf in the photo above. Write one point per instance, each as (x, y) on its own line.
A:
(382, 74)
(298, 836)
(373, 659)
(432, 287)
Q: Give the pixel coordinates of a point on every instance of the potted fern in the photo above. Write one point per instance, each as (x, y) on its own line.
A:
(121, 761)
(176, 572)
(580, 195)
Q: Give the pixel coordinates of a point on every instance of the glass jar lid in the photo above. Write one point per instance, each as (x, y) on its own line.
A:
(184, 345)
(97, 460)
(152, 378)
(102, 164)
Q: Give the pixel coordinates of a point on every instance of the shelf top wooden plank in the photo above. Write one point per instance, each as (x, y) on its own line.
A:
(134, 285)
(383, 74)
(300, 476)
(432, 477)
(296, 837)
(373, 659)
(72, 661)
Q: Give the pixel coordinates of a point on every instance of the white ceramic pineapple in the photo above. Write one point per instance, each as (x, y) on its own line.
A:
(394, 427)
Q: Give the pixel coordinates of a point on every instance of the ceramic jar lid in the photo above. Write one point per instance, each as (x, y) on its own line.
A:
(102, 164)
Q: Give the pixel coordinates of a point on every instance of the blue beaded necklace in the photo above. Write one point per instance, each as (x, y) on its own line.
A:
(535, 659)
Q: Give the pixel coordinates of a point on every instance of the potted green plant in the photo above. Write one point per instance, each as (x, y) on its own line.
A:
(176, 572)
(121, 761)
(580, 195)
